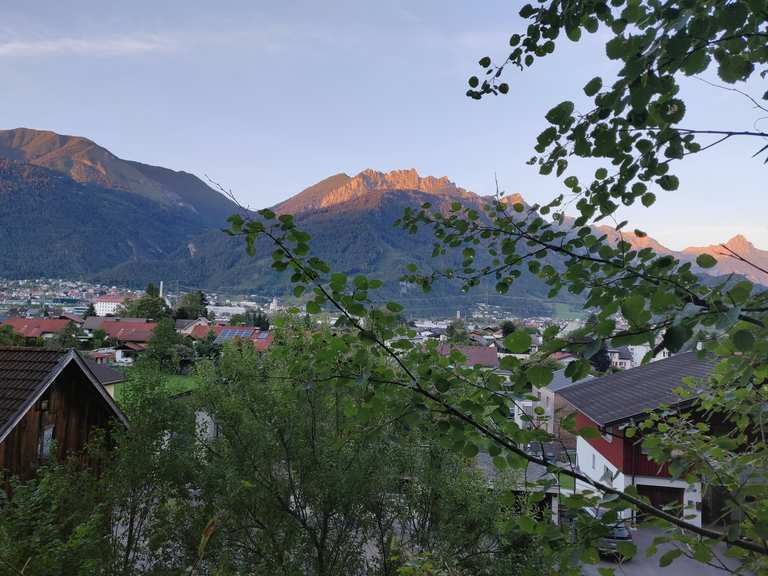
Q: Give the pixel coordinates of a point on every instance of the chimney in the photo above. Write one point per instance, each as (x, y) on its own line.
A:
(161, 289)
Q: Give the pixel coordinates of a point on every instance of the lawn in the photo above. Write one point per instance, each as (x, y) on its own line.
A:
(174, 384)
(566, 482)
(177, 383)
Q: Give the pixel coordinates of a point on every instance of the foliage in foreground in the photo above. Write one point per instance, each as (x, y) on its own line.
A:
(300, 474)
(633, 129)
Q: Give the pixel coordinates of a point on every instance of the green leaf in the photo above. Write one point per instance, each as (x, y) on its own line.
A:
(676, 336)
(734, 68)
(672, 111)
(627, 549)
(518, 342)
(485, 61)
(560, 113)
(574, 33)
(743, 340)
(648, 199)
(668, 182)
(313, 307)
(696, 62)
(741, 291)
(593, 86)
(589, 432)
(669, 556)
(539, 376)
(706, 260)
(633, 309)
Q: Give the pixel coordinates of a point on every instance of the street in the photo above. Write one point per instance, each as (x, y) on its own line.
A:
(642, 566)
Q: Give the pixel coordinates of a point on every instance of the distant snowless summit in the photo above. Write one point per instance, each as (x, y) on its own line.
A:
(70, 208)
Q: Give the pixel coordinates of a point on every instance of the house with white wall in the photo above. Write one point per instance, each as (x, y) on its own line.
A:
(612, 402)
(109, 304)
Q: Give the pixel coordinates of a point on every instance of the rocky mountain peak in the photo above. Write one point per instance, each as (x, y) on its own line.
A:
(369, 181)
(740, 244)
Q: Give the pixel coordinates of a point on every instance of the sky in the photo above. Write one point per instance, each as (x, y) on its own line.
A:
(268, 98)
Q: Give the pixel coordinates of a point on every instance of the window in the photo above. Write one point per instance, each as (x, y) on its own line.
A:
(46, 441)
(593, 460)
(46, 432)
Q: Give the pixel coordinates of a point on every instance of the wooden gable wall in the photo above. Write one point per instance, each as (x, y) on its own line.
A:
(74, 409)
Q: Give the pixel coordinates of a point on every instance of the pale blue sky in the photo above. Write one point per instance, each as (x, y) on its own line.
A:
(269, 97)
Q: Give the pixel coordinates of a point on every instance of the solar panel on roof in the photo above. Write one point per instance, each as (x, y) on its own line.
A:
(230, 333)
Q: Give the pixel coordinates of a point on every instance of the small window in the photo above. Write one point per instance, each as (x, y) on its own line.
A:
(46, 441)
(593, 461)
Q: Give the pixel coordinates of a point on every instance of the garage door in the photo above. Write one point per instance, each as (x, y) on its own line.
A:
(669, 499)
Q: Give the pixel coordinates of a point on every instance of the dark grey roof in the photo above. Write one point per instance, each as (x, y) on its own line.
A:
(181, 324)
(560, 381)
(22, 372)
(623, 395)
(25, 374)
(105, 374)
(625, 353)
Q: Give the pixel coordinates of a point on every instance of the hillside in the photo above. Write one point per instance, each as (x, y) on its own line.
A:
(52, 226)
(71, 208)
(351, 223)
(88, 163)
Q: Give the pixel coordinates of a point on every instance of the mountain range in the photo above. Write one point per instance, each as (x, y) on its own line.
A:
(71, 208)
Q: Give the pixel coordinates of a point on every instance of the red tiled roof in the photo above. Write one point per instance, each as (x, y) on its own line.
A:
(201, 332)
(125, 331)
(34, 327)
(136, 346)
(476, 355)
(261, 343)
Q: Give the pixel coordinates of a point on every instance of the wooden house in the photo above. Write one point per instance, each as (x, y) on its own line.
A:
(48, 398)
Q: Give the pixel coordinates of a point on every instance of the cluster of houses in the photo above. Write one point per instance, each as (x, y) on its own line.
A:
(128, 337)
(47, 394)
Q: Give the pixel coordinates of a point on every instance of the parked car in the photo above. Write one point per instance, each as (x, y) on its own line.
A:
(618, 532)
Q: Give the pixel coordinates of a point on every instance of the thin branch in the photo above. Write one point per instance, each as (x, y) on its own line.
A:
(729, 89)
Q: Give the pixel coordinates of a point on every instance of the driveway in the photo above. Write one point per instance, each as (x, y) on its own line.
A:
(642, 566)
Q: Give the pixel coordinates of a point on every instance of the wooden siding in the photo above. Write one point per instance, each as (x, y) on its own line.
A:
(75, 410)
(624, 453)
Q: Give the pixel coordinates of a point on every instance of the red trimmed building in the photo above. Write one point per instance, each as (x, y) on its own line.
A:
(613, 402)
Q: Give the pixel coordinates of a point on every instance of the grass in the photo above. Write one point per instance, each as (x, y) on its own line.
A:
(566, 482)
(177, 383)
(174, 384)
